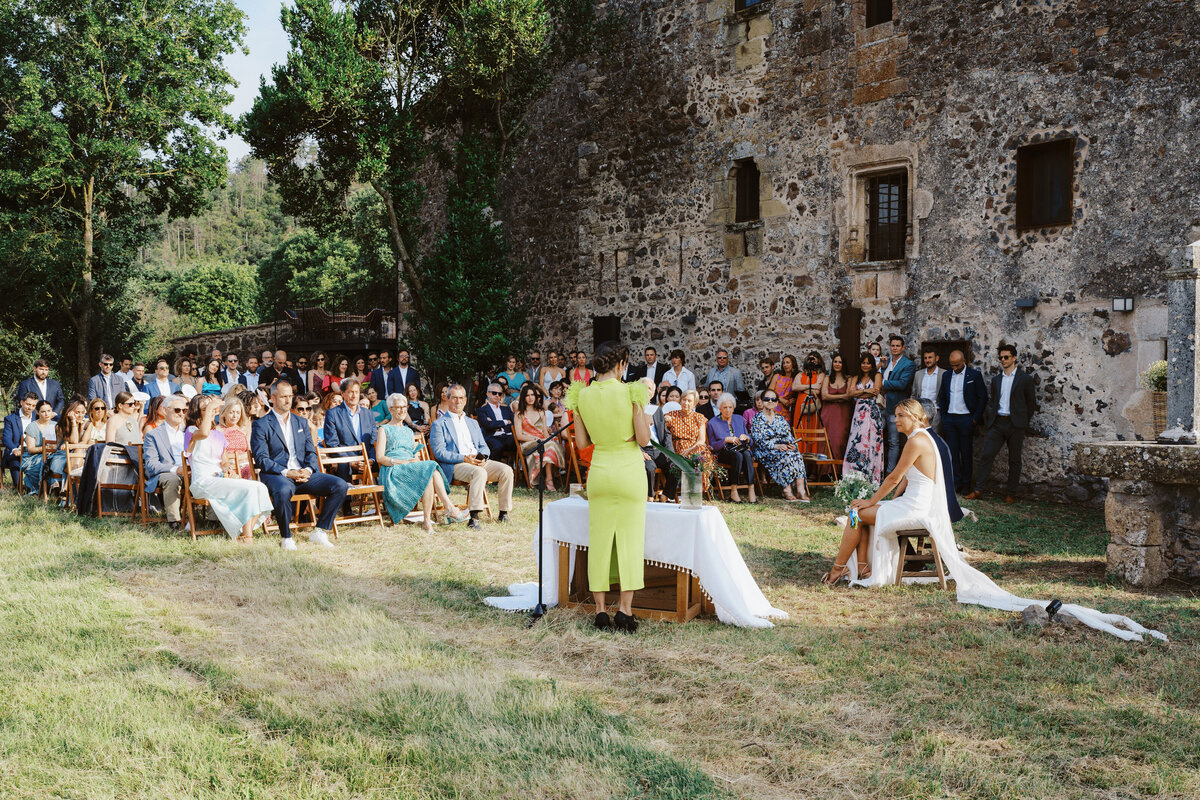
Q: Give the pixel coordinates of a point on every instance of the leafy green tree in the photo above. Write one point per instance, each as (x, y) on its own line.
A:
(216, 296)
(105, 105)
(18, 350)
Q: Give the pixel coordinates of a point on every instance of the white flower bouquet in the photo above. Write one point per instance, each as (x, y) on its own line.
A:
(854, 486)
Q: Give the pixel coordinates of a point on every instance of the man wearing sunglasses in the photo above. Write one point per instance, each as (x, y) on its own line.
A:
(230, 375)
(106, 384)
(163, 457)
(496, 419)
(1011, 405)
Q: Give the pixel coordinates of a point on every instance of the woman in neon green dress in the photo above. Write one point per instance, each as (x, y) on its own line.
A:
(611, 415)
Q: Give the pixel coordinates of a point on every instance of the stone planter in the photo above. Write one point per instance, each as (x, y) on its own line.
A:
(691, 490)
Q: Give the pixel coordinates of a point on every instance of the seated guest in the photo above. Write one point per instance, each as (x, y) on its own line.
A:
(729, 440)
(496, 420)
(459, 447)
(125, 423)
(406, 478)
(555, 406)
(333, 397)
(249, 377)
(552, 372)
(106, 384)
(443, 406)
(240, 504)
(350, 423)
(41, 447)
(531, 425)
(748, 414)
(162, 457)
(729, 377)
(709, 409)
(688, 429)
(154, 415)
(580, 372)
(654, 459)
(287, 460)
(308, 408)
(235, 428)
(678, 374)
(377, 406)
(512, 378)
(14, 433)
(96, 427)
(72, 429)
(418, 410)
(774, 447)
(43, 386)
(340, 374)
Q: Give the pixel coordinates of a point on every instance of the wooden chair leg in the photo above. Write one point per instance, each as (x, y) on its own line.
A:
(937, 559)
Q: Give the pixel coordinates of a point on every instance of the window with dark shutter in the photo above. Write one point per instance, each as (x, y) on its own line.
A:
(1045, 173)
(746, 190)
(742, 5)
(878, 12)
(887, 216)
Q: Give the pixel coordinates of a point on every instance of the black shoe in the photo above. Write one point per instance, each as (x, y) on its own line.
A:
(473, 525)
(503, 517)
(625, 623)
(603, 623)
(175, 526)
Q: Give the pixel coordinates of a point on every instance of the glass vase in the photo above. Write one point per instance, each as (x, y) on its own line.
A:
(691, 490)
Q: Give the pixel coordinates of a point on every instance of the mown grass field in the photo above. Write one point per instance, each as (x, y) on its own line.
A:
(138, 664)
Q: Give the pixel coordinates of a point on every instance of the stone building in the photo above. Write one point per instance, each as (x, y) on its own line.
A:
(814, 174)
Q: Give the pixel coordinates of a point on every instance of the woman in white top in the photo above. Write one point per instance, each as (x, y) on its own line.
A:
(241, 505)
(678, 374)
(125, 423)
(551, 372)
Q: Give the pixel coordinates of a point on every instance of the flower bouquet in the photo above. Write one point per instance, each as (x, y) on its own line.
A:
(693, 470)
(854, 486)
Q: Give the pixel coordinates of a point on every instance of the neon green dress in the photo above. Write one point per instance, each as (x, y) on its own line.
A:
(616, 483)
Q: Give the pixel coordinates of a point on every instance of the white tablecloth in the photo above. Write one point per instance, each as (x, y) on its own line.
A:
(696, 540)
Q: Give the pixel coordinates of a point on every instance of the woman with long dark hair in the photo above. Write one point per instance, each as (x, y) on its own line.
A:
(836, 407)
(864, 448)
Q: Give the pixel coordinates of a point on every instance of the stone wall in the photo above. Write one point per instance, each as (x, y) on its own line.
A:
(622, 196)
(246, 341)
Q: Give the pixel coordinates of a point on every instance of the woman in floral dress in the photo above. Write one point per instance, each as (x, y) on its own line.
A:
(864, 448)
(689, 431)
(774, 448)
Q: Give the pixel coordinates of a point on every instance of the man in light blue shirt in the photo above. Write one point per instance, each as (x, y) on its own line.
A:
(730, 377)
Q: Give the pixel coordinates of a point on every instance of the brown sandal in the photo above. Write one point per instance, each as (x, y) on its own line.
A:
(829, 579)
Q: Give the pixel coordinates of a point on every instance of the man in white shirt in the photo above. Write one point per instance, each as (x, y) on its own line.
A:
(230, 374)
(1011, 406)
(125, 373)
(14, 433)
(249, 378)
(45, 387)
(405, 373)
(925, 387)
(461, 451)
(163, 457)
(161, 384)
(962, 399)
(678, 374)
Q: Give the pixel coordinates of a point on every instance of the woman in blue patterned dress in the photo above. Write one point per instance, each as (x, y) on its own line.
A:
(405, 478)
(774, 447)
(864, 448)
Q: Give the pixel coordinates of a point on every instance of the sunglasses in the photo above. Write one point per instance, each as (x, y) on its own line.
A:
(130, 403)
(770, 399)
(106, 363)
(98, 408)
(231, 360)
(493, 391)
(303, 408)
(703, 397)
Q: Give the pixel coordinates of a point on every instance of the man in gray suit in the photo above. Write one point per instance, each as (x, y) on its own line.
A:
(650, 454)
(107, 384)
(926, 383)
(1010, 407)
(163, 457)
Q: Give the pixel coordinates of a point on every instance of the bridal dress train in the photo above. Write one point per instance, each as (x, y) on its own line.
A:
(924, 504)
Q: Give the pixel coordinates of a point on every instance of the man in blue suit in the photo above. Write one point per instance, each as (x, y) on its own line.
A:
(14, 433)
(385, 380)
(283, 450)
(496, 420)
(351, 423)
(42, 385)
(962, 398)
(459, 448)
(107, 384)
(897, 385)
(161, 384)
(162, 457)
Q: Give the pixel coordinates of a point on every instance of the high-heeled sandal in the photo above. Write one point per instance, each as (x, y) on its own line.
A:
(830, 580)
(864, 569)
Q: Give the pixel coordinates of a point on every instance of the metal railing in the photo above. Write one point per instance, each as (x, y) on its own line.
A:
(316, 328)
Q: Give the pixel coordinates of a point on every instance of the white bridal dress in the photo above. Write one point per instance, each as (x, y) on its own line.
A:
(924, 505)
(235, 501)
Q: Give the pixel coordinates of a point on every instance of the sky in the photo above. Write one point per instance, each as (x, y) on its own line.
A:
(268, 45)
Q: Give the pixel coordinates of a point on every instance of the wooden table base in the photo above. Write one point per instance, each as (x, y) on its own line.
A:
(669, 594)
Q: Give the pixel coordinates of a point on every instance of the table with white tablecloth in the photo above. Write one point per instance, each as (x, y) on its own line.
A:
(694, 540)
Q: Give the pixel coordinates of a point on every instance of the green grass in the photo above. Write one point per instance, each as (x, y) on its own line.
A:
(140, 664)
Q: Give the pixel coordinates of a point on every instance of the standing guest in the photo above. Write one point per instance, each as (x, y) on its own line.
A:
(267, 361)
(836, 406)
(105, 384)
(406, 374)
(897, 385)
(730, 442)
(350, 423)
(235, 427)
(407, 479)
(210, 378)
(185, 368)
(962, 399)
(279, 369)
(533, 373)
(125, 373)
(580, 372)
(781, 383)
(14, 433)
(806, 387)
(774, 447)
(730, 377)
(513, 378)
(383, 377)
(749, 414)
(161, 384)
(459, 447)
(241, 505)
(339, 374)
(136, 382)
(284, 453)
(926, 384)
(230, 373)
(377, 406)
(372, 362)
(41, 448)
(496, 420)
(418, 410)
(678, 374)
(1011, 406)
(652, 368)
(43, 386)
(709, 409)
(360, 372)
(304, 374)
(766, 368)
(611, 414)
(689, 430)
(154, 415)
(125, 423)
(864, 446)
(216, 353)
(96, 426)
(653, 458)
(530, 426)
(249, 377)
(442, 392)
(162, 457)
(553, 371)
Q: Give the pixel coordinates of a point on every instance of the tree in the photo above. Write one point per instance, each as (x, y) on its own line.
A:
(103, 110)
(330, 271)
(216, 296)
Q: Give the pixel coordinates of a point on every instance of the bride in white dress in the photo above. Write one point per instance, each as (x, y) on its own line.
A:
(923, 502)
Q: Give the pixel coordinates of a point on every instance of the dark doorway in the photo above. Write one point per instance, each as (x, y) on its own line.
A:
(850, 337)
(605, 329)
(944, 348)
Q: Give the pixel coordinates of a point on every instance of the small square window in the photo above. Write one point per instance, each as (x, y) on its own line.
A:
(1045, 173)
(887, 216)
(878, 12)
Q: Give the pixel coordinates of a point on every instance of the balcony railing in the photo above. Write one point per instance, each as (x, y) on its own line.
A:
(318, 329)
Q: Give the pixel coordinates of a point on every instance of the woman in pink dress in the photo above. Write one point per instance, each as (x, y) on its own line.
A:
(235, 426)
(836, 407)
(781, 384)
(581, 373)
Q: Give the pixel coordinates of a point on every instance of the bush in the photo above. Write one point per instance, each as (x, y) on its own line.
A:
(1155, 377)
(216, 296)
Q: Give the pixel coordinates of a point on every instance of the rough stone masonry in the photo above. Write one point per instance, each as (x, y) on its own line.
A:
(625, 201)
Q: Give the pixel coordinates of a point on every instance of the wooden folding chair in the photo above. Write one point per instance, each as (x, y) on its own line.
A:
(820, 460)
(362, 483)
(521, 469)
(190, 503)
(43, 482)
(76, 456)
(117, 456)
(137, 451)
(573, 460)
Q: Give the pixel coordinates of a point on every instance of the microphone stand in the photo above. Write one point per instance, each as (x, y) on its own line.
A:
(539, 610)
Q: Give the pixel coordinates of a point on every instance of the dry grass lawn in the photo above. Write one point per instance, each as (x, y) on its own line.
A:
(137, 664)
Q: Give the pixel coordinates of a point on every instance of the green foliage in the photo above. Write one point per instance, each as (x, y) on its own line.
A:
(18, 350)
(216, 296)
(1155, 377)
